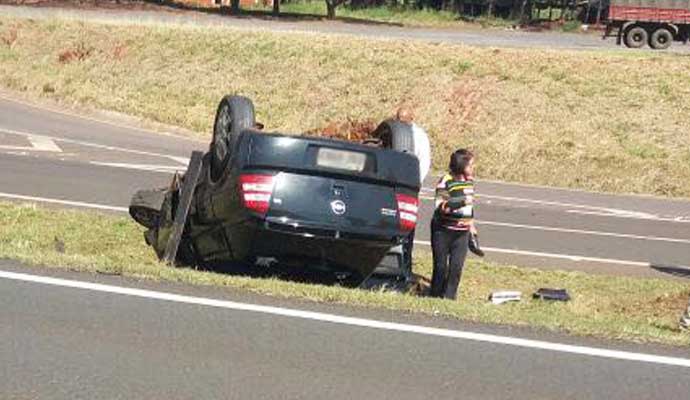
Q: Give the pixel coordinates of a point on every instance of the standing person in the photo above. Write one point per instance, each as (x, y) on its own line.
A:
(422, 146)
(452, 223)
(422, 150)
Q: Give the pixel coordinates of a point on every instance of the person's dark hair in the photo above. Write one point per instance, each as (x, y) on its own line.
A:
(459, 160)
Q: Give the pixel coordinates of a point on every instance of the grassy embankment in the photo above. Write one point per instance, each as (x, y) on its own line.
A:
(611, 121)
(645, 310)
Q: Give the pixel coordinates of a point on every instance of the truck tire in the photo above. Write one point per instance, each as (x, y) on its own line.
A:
(396, 135)
(661, 39)
(635, 37)
(234, 114)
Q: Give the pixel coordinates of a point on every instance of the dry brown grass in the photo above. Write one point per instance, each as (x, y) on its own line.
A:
(609, 121)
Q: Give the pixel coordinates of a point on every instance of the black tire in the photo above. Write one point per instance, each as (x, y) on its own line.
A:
(635, 37)
(145, 207)
(661, 39)
(396, 135)
(234, 114)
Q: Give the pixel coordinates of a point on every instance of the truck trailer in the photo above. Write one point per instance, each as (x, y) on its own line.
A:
(657, 23)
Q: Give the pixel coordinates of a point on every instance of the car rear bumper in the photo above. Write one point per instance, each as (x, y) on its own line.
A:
(350, 257)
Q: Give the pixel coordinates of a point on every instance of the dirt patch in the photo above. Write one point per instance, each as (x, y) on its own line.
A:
(352, 130)
(79, 53)
(660, 305)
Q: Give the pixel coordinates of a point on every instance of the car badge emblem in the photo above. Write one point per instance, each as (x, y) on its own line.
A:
(338, 207)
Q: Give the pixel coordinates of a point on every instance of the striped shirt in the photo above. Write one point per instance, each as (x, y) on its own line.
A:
(458, 196)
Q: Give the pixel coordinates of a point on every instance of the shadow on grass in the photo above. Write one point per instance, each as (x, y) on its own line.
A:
(301, 275)
(672, 270)
(265, 15)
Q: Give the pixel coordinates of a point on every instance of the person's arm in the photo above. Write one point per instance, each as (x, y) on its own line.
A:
(442, 196)
(473, 228)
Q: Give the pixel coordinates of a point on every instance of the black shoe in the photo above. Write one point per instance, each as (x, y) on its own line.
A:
(474, 245)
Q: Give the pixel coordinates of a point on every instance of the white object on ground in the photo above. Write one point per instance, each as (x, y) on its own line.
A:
(504, 296)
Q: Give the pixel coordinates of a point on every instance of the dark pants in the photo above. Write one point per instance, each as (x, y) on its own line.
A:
(449, 249)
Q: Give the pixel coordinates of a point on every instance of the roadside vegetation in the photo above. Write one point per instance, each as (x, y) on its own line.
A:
(415, 15)
(613, 121)
(633, 309)
(539, 14)
(405, 16)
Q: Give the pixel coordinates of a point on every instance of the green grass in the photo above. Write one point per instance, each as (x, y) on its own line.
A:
(634, 309)
(612, 121)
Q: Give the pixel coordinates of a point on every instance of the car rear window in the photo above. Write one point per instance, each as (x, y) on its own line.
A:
(346, 160)
(313, 155)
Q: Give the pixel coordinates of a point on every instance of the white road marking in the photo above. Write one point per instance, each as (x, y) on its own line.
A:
(352, 321)
(141, 167)
(585, 209)
(92, 119)
(181, 160)
(62, 202)
(606, 214)
(612, 211)
(37, 143)
(43, 143)
(583, 232)
(563, 256)
(420, 242)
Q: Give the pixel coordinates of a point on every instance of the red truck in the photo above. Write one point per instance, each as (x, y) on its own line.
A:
(654, 22)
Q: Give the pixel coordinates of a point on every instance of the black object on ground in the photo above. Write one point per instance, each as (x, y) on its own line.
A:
(685, 318)
(188, 186)
(474, 245)
(551, 294)
(672, 270)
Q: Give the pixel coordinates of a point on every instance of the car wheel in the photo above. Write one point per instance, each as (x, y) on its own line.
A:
(636, 37)
(145, 207)
(396, 135)
(234, 114)
(661, 39)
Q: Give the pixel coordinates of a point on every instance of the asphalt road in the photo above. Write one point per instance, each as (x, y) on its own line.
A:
(72, 343)
(49, 156)
(474, 37)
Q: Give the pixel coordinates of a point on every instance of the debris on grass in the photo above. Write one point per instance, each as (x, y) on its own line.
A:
(351, 130)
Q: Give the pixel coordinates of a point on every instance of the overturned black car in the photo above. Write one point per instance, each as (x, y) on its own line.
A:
(337, 210)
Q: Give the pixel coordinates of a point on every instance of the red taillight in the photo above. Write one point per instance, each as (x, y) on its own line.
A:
(408, 208)
(256, 191)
